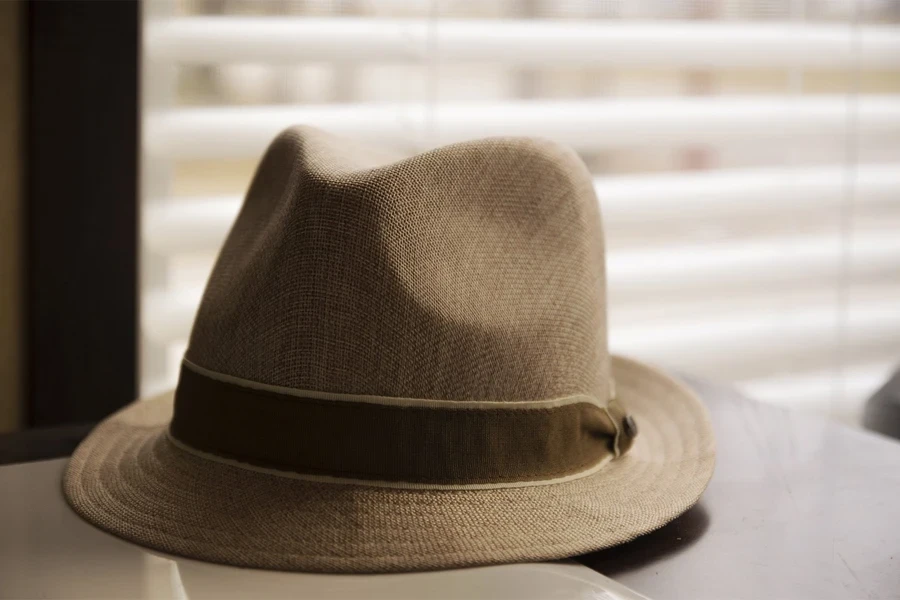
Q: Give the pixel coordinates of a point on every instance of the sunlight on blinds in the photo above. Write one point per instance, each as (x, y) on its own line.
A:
(746, 157)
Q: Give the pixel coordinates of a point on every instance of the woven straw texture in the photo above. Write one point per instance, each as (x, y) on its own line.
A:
(130, 480)
(471, 272)
(474, 272)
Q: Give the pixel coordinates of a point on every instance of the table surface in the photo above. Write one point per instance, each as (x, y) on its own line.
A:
(798, 508)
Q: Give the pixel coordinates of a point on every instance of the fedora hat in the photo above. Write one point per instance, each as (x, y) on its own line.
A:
(401, 364)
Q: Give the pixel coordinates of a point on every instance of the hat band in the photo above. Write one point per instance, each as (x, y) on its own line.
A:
(394, 440)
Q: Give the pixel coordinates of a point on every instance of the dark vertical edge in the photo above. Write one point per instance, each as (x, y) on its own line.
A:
(81, 209)
(11, 207)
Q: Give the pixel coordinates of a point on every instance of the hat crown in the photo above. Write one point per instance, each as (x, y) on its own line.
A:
(470, 272)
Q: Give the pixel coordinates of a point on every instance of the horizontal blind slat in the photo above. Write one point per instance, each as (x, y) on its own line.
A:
(190, 224)
(736, 343)
(540, 42)
(697, 268)
(210, 132)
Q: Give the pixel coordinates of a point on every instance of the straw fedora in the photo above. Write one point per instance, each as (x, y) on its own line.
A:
(401, 364)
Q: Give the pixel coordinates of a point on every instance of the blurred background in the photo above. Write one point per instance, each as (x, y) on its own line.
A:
(745, 156)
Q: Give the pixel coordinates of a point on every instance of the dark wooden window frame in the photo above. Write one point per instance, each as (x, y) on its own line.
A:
(81, 71)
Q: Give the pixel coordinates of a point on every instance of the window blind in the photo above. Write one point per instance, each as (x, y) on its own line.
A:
(745, 156)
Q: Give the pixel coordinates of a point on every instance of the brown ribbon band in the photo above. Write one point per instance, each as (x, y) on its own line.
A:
(394, 443)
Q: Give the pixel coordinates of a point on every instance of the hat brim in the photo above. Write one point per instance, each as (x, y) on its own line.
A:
(129, 479)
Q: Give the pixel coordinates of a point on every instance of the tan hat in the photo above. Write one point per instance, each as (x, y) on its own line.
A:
(401, 365)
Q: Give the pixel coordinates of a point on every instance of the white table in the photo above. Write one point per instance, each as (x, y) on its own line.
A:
(46, 551)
